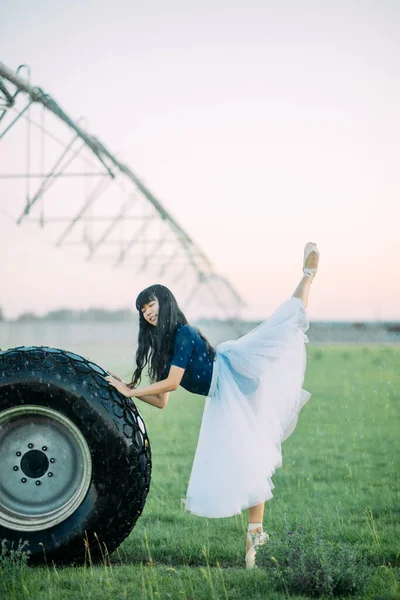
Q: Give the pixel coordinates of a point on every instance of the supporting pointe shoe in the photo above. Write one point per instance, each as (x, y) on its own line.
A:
(310, 272)
(257, 539)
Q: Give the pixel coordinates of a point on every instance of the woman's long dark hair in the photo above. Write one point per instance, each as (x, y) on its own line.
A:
(156, 343)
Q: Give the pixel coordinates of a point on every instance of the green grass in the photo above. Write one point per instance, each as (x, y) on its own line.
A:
(340, 470)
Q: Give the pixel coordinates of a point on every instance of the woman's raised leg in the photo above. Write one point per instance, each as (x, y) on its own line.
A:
(303, 289)
(255, 534)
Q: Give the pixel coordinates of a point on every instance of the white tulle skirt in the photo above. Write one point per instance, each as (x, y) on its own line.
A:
(252, 407)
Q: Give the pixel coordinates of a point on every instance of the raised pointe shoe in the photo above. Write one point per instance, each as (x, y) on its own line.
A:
(257, 539)
(310, 271)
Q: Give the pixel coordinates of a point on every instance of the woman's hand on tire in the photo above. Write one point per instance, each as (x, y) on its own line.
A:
(120, 386)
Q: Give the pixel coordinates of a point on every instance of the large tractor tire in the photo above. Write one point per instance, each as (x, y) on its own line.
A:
(75, 460)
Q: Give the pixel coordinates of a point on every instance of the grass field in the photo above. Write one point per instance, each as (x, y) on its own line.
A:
(339, 483)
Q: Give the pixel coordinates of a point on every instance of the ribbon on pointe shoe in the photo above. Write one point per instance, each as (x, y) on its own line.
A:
(257, 539)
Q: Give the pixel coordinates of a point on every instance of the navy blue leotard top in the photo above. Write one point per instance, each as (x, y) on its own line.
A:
(191, 354)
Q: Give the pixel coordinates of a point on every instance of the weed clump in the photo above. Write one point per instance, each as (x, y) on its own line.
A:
(13, 563)
(14, 558)
(302, 561)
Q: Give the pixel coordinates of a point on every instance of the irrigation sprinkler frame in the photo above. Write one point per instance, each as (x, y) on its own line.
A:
(108, 168)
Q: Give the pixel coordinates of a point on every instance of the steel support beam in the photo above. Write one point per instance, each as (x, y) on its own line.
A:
(48, 182)
(96, 193)
(110, 228)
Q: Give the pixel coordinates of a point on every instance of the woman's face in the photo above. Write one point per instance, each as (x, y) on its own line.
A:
(150, 312)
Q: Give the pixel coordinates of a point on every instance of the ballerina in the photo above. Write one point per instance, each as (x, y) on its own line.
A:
(254, 394)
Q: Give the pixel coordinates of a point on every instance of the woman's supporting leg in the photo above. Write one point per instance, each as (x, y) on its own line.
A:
(256, 514)
(256, 537)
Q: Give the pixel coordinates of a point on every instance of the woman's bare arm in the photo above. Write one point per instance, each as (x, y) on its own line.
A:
(170, 384)
(160, 387)
(158, 400)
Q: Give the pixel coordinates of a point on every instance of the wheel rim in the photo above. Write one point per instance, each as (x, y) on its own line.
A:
(46, 468)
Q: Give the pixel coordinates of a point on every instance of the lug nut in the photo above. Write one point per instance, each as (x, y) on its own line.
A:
(30, 445)
(18, 453)
(52, 460)
(49, 474)
(38, 482)
(16, 468)
(23, 480)
(44, 448)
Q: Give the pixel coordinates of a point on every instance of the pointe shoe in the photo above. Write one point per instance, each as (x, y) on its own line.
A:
(310, 247)
(257, 539)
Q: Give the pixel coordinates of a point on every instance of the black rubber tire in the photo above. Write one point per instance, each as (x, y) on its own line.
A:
(119, 446)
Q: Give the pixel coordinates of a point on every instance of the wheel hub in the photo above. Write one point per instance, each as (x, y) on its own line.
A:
(34, 464)
(46, 468)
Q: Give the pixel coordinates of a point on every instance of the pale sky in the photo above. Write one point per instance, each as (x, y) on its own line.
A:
(260, 125)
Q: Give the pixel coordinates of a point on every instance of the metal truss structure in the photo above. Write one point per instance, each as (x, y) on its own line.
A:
(55, 175)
